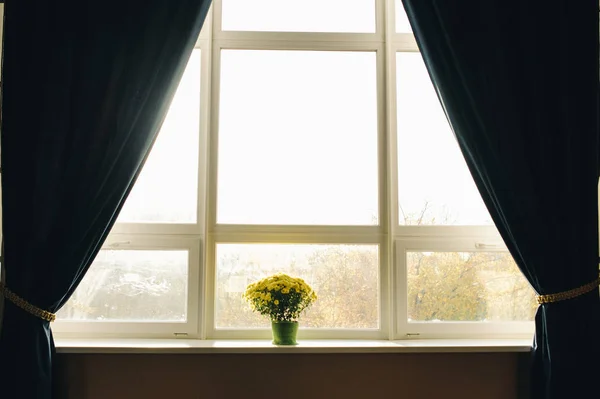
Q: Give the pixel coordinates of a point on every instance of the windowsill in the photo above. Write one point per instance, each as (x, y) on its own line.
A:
(190, 346)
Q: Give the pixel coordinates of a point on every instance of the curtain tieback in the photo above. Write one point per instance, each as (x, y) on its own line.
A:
(26, 306)
(570, 294)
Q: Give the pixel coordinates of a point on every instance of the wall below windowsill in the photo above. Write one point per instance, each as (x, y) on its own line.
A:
(192, 346)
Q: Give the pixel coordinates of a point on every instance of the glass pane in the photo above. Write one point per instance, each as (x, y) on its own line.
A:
(298, 138)
(434, 185)
(402, 23)
(299, 15)
(345, 278)
(167, 189)
(467, 286)
(132, 285)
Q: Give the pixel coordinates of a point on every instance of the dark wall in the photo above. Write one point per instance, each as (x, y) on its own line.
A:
(410, 376)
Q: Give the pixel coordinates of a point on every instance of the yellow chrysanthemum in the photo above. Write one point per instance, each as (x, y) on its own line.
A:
(271, 297)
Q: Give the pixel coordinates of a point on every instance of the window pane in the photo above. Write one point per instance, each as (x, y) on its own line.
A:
(345, 278)
(298, 138)
(467, 286)
(434, 184)
(402, 23)
(167, 189)
(299, 15)
(132, 285)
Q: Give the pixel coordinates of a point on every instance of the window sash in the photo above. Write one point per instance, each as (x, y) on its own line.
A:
(382, 332)
(78, 328)
(459, 329)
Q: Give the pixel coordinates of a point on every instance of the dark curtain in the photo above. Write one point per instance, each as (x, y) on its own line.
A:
(518, 81)
(86, 86)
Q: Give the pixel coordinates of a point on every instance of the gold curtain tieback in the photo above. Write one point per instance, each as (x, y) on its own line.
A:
(26, 306)
(570, 294)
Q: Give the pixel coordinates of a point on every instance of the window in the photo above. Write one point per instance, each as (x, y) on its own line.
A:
(346, 276)
(138, 284)
(299, 15)
(132, 285)
(434, 184)
(455, 287)
(305, 137)
(277, 139)
(466, 286)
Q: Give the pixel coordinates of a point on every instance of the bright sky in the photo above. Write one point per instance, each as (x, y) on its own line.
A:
(431, 167)
(298, 138)
(298, 132)
(402, 24)
(299, 15)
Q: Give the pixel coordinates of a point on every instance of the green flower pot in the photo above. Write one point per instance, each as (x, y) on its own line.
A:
(284, 332)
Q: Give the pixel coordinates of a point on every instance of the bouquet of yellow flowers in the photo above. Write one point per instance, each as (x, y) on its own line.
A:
(280, 297)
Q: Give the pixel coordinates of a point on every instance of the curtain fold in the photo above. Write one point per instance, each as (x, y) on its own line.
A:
(86, 87)
(519, 85)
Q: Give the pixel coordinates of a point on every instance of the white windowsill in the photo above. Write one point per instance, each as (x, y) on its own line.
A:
(191, 346)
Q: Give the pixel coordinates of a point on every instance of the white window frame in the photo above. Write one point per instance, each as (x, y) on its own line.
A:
(150, 329)
(391, 237)
(475, 329)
